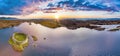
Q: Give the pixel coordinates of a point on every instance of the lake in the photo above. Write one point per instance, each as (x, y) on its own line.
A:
(62, 41)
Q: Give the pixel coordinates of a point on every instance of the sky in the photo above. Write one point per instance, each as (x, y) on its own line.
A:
(80, 8)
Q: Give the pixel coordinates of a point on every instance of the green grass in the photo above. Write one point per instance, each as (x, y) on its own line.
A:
(20, 36)
(11, 41)
(50, 24)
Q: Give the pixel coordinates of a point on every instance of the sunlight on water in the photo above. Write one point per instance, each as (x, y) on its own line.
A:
(64, 42)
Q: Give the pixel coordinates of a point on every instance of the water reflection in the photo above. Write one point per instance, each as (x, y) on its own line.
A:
(63, 42)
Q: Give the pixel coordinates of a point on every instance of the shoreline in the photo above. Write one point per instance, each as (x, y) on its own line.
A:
(69, 23)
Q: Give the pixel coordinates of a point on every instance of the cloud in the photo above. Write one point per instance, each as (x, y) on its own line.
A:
(88, 4)
(16, 6)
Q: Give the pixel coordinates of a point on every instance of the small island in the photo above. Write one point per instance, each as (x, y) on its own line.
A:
(19, 41)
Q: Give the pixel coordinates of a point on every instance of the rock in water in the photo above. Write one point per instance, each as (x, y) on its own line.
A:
(34, 38)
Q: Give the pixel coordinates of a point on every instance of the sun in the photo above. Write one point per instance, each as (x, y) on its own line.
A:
(57, 16)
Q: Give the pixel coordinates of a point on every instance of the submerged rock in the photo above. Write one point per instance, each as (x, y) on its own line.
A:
(44, 38)
(118, 27)
(19, 41)
(34, 38)
(115, 29)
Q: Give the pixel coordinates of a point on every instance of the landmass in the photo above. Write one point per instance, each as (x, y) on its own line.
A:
(18, 41)
(68, 23)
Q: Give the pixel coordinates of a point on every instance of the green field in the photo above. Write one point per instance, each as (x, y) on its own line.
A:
(20, 36)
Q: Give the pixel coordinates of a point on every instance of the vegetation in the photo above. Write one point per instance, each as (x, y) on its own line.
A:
(18, 46)
(50, 23)
(20, 36)
(68, 23)
(115, 29)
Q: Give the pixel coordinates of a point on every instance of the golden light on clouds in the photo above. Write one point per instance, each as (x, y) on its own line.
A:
(66, 14)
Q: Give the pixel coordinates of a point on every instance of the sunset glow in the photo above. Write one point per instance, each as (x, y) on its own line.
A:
(59, 27)
(67, 14)
(53, 9)
(57, 16)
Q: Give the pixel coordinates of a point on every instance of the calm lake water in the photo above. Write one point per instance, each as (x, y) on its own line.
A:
(62, 41)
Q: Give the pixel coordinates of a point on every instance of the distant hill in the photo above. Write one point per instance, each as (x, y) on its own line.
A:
(7, 18)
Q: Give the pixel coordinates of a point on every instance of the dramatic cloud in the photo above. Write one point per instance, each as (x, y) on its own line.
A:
(107, 5)
(23, 6)
(15, 7)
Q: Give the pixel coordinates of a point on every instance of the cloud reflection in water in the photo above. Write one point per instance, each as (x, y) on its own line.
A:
(79, 42)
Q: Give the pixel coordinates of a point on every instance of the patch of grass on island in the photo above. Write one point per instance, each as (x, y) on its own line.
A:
(20, 36)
